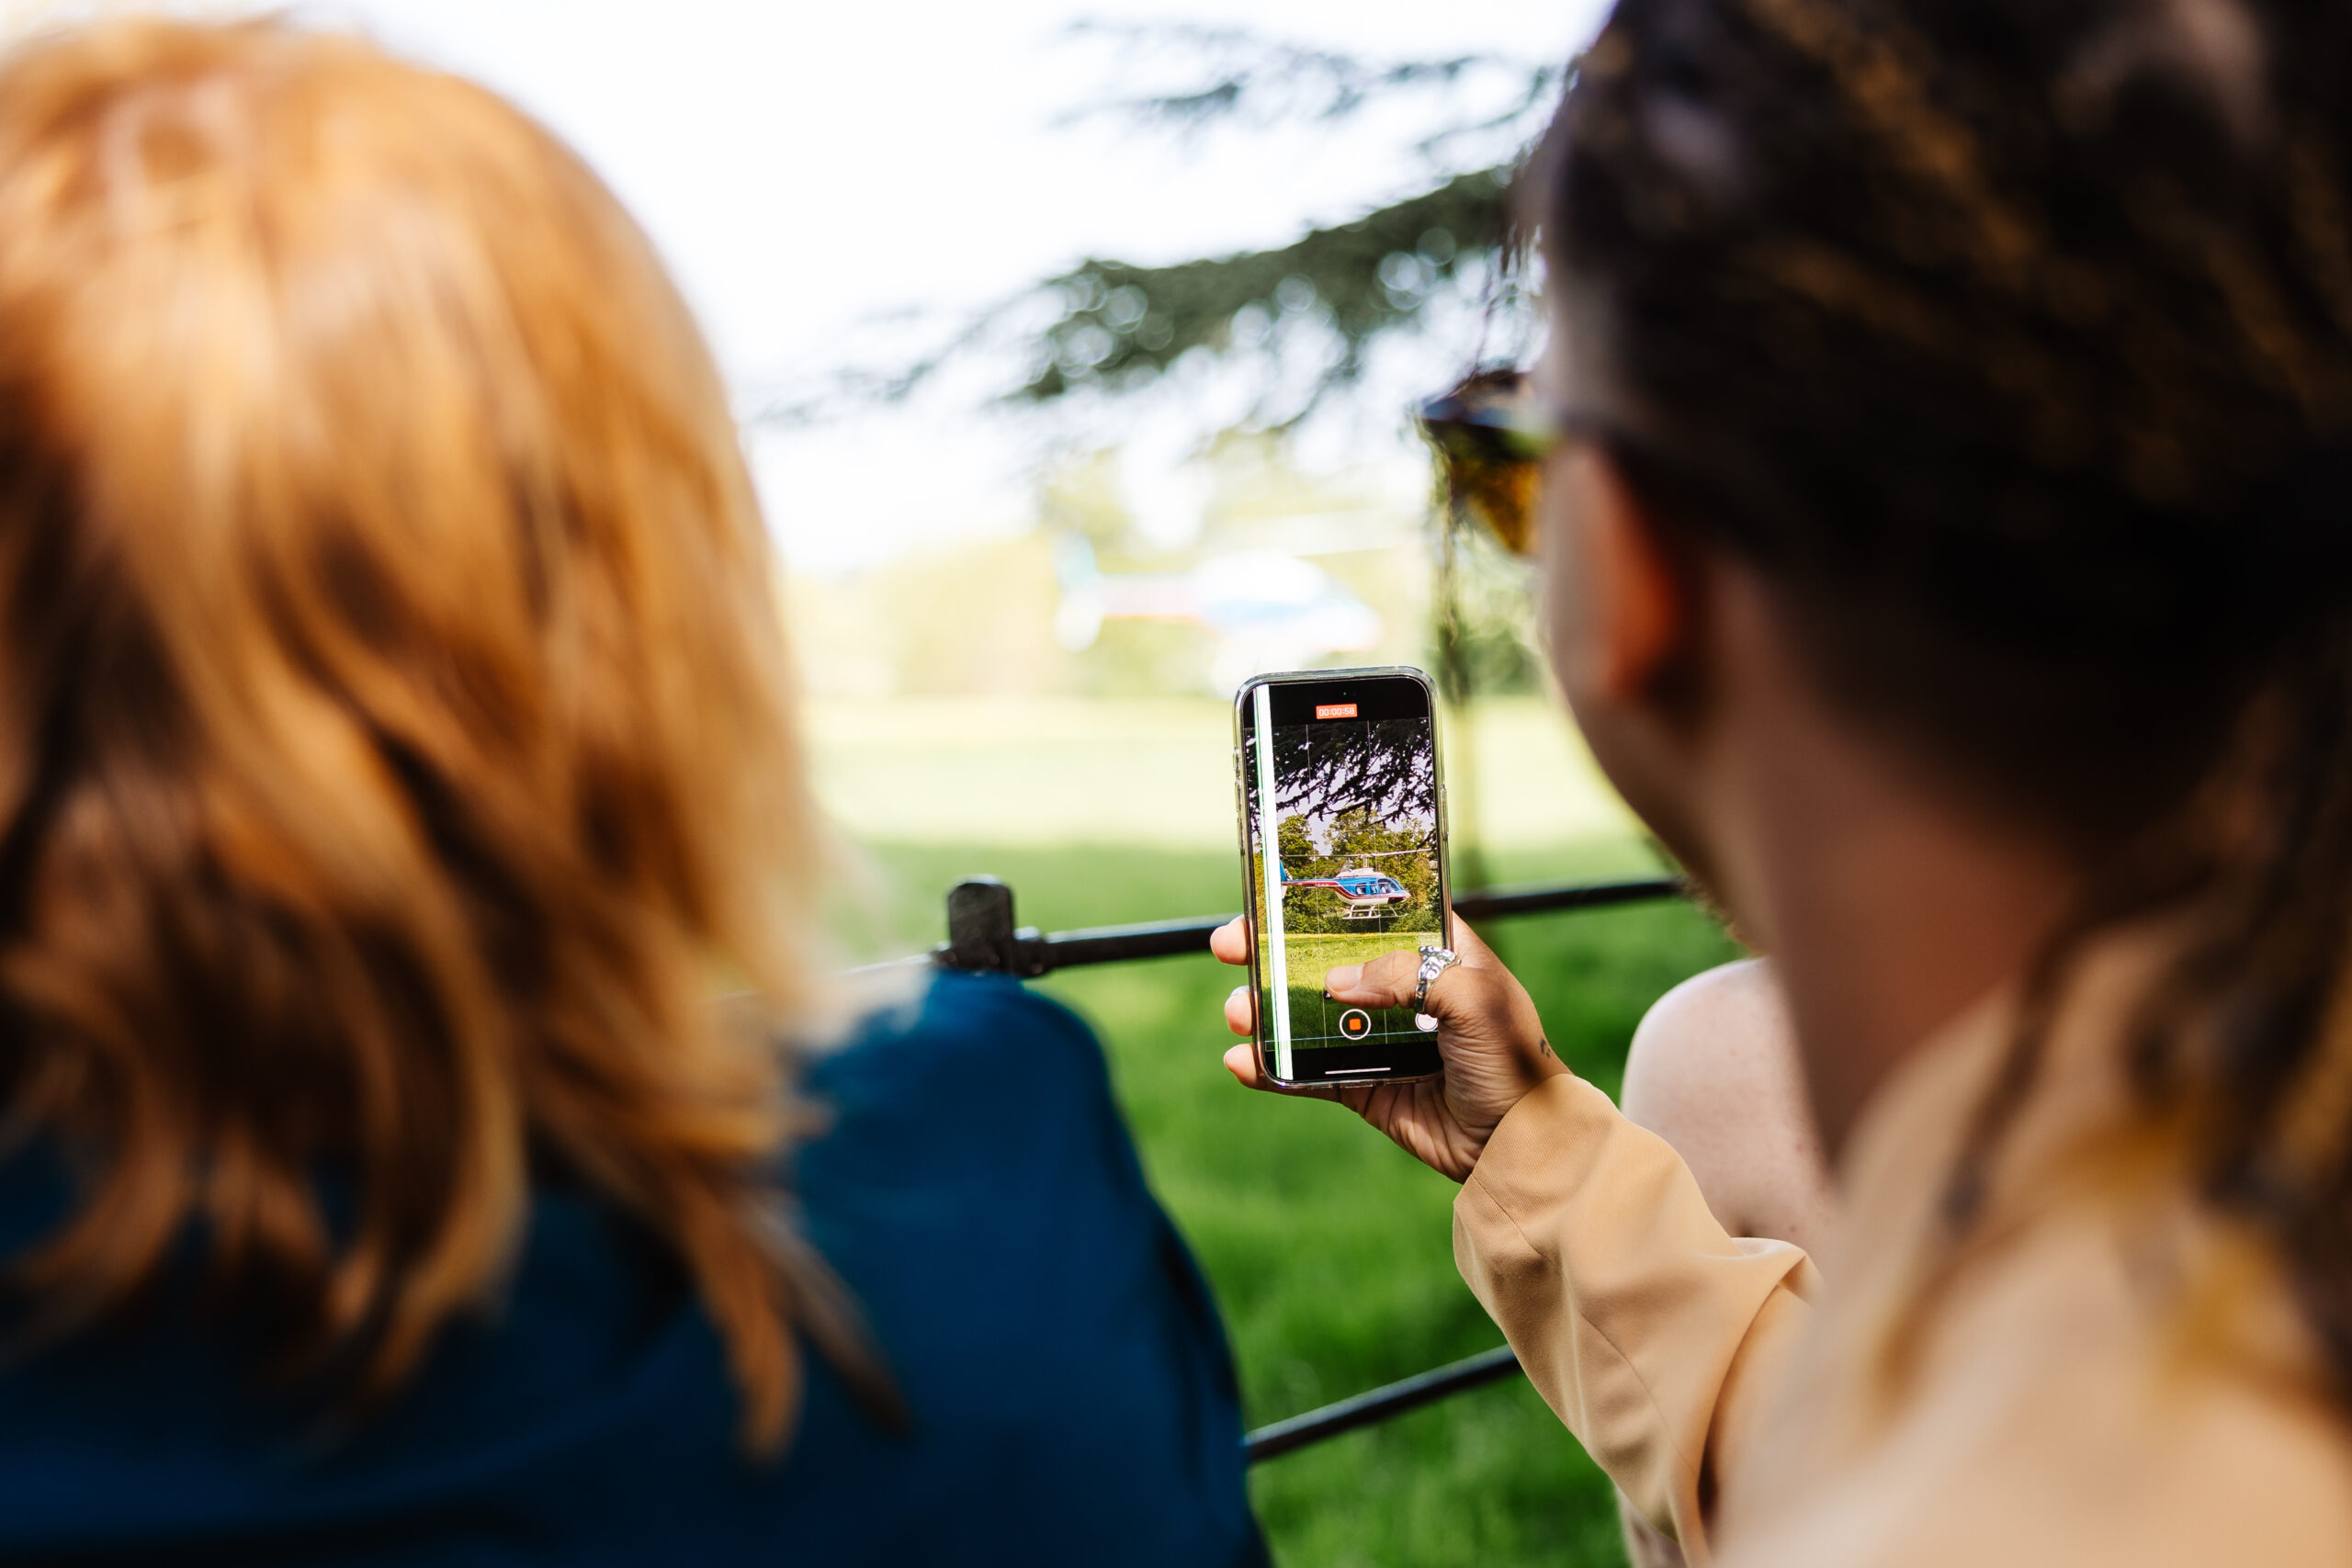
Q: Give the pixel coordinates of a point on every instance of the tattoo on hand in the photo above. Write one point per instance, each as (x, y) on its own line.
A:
(1543, 1045)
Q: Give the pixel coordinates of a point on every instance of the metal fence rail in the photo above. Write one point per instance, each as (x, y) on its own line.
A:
(1380, 1403)
(982, 936)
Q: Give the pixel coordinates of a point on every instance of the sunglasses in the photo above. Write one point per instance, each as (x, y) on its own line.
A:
(1492, 433)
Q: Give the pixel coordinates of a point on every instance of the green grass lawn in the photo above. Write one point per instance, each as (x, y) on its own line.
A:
(1331, 1250)
(1314, 1020)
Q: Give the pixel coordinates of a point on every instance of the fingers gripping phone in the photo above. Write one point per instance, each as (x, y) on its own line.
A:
(1344, 851)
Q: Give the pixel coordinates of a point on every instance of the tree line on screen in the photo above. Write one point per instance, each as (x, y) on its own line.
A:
(1348, 796)
(1384, 767)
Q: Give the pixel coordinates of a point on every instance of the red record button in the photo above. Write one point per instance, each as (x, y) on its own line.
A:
(1355, 1023)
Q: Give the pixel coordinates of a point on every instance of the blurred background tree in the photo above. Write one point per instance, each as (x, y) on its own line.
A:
(1301, 321)
(1120, 325)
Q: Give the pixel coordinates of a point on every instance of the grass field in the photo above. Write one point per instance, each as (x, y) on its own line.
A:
(1329, 1248)
(1313, 1020)
(1050, 772)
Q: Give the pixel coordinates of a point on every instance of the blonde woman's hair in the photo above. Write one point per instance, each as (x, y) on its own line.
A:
(395, 751)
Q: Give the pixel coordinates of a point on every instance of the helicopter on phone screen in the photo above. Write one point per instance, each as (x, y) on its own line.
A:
(1367, 892)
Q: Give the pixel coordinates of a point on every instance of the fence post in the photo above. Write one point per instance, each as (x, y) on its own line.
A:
(980, 926)
(980, 933)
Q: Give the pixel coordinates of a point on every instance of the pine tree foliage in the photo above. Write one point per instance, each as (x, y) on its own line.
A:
(1364, 277)
(1243, 74)
(1121, 324)
(1111, 325)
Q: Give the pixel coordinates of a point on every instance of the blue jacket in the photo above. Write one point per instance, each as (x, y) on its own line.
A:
(1072, 1397)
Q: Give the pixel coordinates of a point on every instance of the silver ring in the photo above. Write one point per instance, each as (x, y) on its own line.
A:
(1435, 961)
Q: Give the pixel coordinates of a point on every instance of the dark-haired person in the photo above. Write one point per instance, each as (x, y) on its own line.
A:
(1947, 488)
(396, 768)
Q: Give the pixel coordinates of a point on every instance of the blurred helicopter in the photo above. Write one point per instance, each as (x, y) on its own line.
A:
(1368, 892)
(1268, 611)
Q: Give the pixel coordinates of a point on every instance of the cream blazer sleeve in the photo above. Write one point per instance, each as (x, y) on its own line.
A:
(1648, 1328)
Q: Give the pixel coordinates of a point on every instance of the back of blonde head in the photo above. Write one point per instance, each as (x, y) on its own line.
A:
(394, 751)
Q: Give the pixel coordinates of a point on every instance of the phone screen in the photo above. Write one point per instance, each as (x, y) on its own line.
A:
(1343, 845)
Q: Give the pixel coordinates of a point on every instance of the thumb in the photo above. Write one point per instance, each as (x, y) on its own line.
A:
(1387, 981)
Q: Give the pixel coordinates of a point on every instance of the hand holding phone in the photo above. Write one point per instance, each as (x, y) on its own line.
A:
(1342, 832)
(1488, 1038)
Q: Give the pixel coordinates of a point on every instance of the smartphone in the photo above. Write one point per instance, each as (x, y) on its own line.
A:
(1344, 851)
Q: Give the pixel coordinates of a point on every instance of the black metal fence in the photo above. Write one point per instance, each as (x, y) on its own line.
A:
(982, 936)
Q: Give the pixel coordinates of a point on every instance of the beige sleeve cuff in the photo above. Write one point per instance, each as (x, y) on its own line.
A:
(1645, 1325)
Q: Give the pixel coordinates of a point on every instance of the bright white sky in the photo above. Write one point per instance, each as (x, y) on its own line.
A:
(807, 167)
